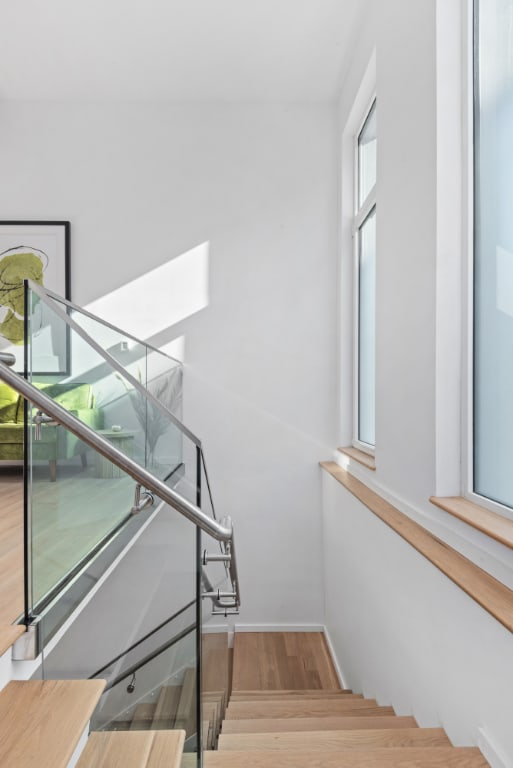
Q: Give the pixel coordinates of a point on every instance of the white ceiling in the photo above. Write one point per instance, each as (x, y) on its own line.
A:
(180, 50)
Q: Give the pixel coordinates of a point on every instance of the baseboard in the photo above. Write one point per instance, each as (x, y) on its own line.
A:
(278, 628)
(340, 676)
(493, 754)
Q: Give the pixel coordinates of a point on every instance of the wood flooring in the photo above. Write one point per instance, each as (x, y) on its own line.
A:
(282, 661)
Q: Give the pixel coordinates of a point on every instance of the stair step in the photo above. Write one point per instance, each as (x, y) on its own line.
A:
(133, 749)
(211, 711)
(393, 757)
(142, 717)
(167, 706)
(186, 710)
(264, 725)
(333, 740)
(217, 696)
(43, 720)
(293, 692)
(282, 660)
(290, 696)
(308, 708)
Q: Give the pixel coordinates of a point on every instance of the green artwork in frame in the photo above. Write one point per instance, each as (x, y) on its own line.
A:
(37, 251)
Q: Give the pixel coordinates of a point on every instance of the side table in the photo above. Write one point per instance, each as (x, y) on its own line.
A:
(123, 441)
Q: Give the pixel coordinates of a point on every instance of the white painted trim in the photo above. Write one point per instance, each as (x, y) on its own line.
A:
(495, 755)
(365, 94)
(278, 628)
(338, 670)
(468, 262)
(449, 250)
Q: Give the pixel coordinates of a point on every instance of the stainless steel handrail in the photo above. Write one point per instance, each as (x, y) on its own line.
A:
(141, 475)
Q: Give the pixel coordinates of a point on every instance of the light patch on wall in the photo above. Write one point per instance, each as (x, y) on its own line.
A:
(504, 294)
(160, 298)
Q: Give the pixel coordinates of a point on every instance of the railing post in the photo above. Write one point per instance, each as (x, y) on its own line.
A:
(199, 587)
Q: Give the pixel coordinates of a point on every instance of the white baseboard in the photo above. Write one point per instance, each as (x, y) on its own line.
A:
(493, 754)
(278, 628)
(334, 659)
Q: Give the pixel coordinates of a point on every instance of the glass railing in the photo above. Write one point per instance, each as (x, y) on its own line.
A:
(116, 587)
(130, 394)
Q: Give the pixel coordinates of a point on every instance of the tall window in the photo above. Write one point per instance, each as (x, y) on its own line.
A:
(493, 252)
(365, 256)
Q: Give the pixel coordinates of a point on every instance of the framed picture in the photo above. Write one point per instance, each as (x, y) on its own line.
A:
(39, 251)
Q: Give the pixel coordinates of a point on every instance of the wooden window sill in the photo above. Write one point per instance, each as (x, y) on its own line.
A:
(360, 456)
(484, 520)
(488, 592)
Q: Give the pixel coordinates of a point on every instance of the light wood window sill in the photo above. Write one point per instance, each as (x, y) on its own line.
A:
(360, 456)
(484, 520)
(488, 592)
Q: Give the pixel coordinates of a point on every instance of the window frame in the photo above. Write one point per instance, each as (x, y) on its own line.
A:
(471, 68)
(361, 212)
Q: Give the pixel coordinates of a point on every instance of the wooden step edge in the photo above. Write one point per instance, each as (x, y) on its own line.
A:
(43, 720)
(290, 697)
(8, 636)
(386, 757)
(303, 724)
(236, 695)
(295, 692)
(333, 740)
(133, 749)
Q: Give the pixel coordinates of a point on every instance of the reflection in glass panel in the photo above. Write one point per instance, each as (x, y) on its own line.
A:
(367, 145)
(367, 329)
(493, 268)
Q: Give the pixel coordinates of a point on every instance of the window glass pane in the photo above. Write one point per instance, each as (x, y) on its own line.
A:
(493, 268)
(367, 329)
(367, 156)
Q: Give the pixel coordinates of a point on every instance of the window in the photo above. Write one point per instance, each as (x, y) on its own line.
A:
(493, 253)
(364, 230)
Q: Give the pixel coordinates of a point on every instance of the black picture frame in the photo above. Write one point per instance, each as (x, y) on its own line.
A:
(43, 248)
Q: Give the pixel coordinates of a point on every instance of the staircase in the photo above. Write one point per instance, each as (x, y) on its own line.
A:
(321, 727)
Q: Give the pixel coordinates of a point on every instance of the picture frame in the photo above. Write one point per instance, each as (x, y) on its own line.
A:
(39, 251)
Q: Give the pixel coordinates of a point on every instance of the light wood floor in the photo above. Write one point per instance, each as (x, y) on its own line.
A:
(11, 545)
(282, 661)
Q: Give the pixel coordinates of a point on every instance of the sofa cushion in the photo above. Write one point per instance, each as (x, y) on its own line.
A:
(8, 403)
(72, 396)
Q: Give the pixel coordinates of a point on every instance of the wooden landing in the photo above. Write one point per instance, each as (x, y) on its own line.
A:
(282, 660)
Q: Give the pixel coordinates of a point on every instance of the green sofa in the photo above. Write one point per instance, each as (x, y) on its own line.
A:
(56, 442)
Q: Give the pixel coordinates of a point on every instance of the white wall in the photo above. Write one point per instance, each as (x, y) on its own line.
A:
(400, 629)
(405, 634)
(144, 183)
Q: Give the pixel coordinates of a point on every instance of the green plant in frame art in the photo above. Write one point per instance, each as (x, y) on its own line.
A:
(16, 265)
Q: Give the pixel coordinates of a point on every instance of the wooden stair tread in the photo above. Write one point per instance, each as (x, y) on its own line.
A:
(333, 740)
(43, 720)
(265, 725)
(186, 710)
(8, 635)
(143, 716)
(167, 706)
(309, 708)
(292, 692)
(393, 757)
(319, 696)
(133, 749)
